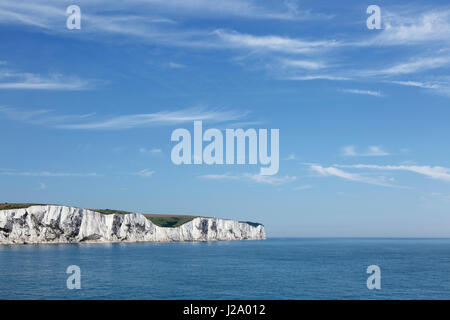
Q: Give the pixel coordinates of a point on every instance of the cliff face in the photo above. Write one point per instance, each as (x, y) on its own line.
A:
(61, 224)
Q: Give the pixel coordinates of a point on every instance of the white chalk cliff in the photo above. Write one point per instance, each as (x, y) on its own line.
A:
(61, 224)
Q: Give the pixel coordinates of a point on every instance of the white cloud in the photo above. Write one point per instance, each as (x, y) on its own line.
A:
(44, 13)
(349, 151)
(436, 172)
(159, 118)
(40, 117)
(273, 180)
(317, 77)
(363, 92)
(150, 151)
(406, 28)
(257, 178)
(372, 151)
(333, 171)
(90, 122)
(32, 14)
(42, 186)
(175, 65)
(413, 66)
(146, 173)
(425, 85)
(440, 85)
(10, 172)
(157, 22)
(15, 80)
(290, 157)
(225, 176)
(148, 20)
(303, 64)
(272, 42)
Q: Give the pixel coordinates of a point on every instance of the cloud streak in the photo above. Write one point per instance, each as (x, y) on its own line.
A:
(372, 151)
(414, 66)
(333, 171)
(129, 121)
(146, 173)
(6, 172)
(256, 178)
(434, 172)
(30, 81)
(272, 42)
(286, 56)
(403, 28)
(363, 92)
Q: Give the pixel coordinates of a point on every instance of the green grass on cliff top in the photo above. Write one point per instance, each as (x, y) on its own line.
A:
(161, 220)
(8, 206)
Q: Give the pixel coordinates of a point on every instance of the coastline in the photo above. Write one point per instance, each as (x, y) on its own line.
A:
(62, 224)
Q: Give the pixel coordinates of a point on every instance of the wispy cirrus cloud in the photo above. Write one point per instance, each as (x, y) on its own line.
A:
(413, 26)
(434, 172)
(12, 172)
(158, 118)
(257, 178)
(30, 81)
(43, 13)
(372, 151)
(317, 77)
(363, 92)
(405, 27)
(283, 10)
(288, 56)
(272, 42)
(440, 85)
(310, 59)
(272, 180)
(129, 121)
(224, 176)
(146, 173)
(290, 157)
(419, 84)
(303, 64)
(152, 151)
(414, 66)
(158, 22)
(41, 116)
(333, 171)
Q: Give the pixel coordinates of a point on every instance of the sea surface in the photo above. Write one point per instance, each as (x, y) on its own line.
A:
(294, 268)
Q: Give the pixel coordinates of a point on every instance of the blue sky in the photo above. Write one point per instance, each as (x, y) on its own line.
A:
(86, 115)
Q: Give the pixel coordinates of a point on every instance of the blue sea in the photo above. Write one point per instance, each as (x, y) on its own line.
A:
(294, 268)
